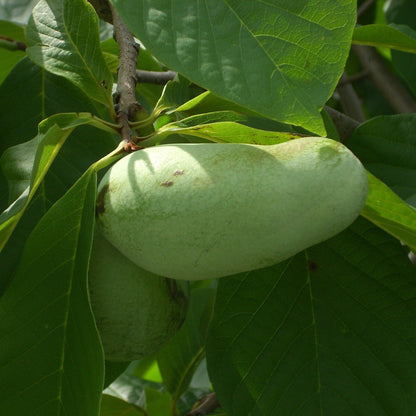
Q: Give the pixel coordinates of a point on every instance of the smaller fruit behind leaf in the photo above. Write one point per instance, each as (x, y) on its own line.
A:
(136, 311)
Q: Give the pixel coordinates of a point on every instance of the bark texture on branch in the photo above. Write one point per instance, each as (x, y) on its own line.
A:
(345, 125)
(127, 106)
(208, 404)
(392, 89)
(154, 77)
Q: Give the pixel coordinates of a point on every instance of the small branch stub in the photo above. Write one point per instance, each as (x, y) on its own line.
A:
(206, 405)
(12, 44)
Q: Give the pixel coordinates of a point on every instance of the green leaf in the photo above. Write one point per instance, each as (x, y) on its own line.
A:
(51, 359)
(9, 58)
(131, 388)
(49, 145)
(385, 36)
(83, 147)
(43, 95)
(404, 63)
(181, 356)
(223, 132)
(209, 103)
(386, 145)
(52, 134)
(388, 211)
(113, 406)
(327, 332)
(402, 15)
(281, 59)
(157, 403)
(63, 37)
(147, 368)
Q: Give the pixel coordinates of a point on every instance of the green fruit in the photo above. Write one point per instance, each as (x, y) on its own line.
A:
(198, 211)
(136, 311)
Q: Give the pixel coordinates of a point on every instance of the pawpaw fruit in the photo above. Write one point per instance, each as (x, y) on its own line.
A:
(208, 210)
(136, 312)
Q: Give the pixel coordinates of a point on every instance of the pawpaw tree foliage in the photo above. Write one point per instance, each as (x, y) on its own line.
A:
(330, 331)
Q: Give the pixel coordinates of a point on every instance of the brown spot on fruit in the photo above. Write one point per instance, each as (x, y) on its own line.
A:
(178, 172)
(100, 206)
(167, 183)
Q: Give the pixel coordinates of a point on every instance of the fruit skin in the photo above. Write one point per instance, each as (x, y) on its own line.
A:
(136, 312)
(199, 211)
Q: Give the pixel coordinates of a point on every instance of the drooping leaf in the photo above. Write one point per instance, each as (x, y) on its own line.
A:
(387, 210)
(207, 102)
(181, 356)
(327, 332)
(63, 37)
(51, 359)
(386, 145)
(52, 134)
(223, 132)
(385, 36)
(281, 59)
(49, 146)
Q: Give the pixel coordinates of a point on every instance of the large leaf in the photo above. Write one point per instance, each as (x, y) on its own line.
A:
(43, 95)
(282, 59)
(387, 36)
(328, 332)
(387, 147)
(223, 132)
(51, 359)
(63, 37)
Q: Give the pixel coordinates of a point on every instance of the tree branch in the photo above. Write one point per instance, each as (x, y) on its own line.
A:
(345, 125)
(394, 91)
(127, 106)
(11, 44)
(207, 404)
(364, 7)
(154, 77)
(103, 9)
(350, 101)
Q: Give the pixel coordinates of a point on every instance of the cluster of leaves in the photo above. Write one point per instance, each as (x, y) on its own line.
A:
(327, 332)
